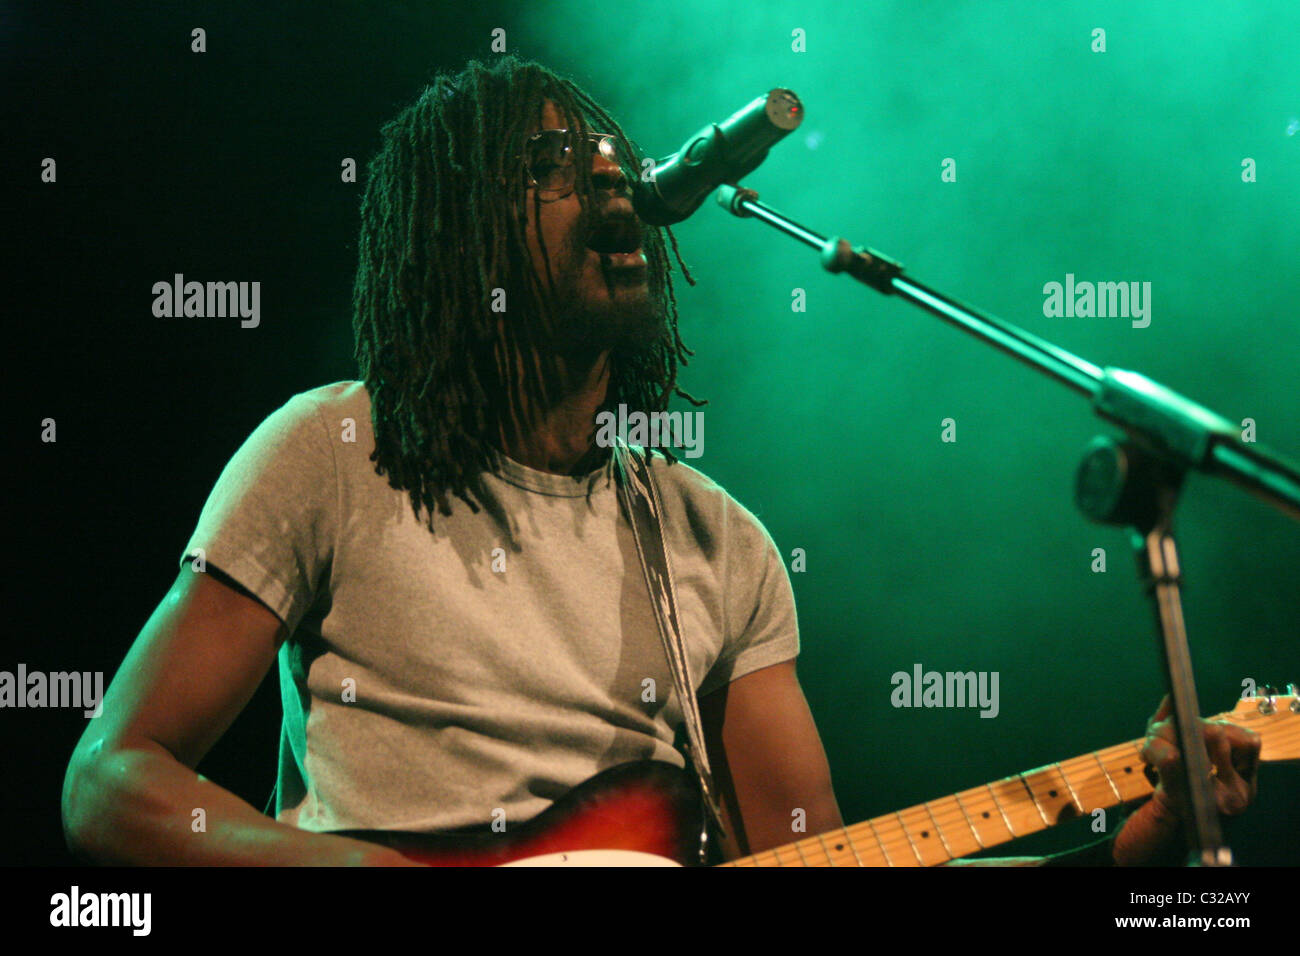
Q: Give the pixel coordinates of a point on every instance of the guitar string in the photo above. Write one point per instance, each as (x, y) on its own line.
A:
(950, 810)
(1120, 755)
(884, 845)
(953, 805)
(1280, 736)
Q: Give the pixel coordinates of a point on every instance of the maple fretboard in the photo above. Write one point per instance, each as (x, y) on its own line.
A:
(946, 829)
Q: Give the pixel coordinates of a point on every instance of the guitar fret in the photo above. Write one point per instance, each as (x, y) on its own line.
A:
(939, 830)
(970, 823)
(791, 855)
(871, 852)
(903, 824)
(880, 843)
(1105, 773)
(803, 860)
(1119, 772)
(848, 838)
(1092, 791)
(836, 852)
(959, 838)
(1005, 820)
(1030, 790)
(918, 825)
(1072, 785)
(1129, 758)
(890, 825)
(1073, 793)
(826, 850)
(1052, 793)
(816, 850)
(1016, 802)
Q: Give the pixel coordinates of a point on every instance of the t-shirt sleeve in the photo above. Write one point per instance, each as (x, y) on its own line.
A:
(762, 626)
(269, 522)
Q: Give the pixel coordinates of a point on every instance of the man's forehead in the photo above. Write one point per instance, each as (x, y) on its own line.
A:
(554, 118)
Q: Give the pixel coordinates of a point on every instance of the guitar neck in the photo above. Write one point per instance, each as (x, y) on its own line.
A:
(938, 831)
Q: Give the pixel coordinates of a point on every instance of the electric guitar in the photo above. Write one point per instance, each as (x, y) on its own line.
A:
(648, 813)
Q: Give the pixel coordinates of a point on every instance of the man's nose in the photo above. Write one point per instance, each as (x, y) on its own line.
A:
(608, 175)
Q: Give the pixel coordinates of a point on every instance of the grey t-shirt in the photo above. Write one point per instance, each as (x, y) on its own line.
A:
(432, 680)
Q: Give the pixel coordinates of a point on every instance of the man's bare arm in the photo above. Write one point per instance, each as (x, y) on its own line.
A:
(130, 791)
(768, 760)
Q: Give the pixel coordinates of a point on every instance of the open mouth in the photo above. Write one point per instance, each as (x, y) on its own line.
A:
(618, 241)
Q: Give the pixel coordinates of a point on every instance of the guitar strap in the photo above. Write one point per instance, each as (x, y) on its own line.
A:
(641, 500)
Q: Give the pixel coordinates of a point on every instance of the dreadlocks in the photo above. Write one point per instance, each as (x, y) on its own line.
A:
(443, 224)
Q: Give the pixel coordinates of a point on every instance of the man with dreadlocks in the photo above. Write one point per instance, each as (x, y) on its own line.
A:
(436, 553)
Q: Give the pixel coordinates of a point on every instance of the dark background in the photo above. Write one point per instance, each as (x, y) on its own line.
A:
(225, 166)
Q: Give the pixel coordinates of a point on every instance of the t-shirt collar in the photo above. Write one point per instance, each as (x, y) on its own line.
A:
(548, 483)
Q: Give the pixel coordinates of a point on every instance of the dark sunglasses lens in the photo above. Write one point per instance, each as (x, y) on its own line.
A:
(551, 146)
(551, 156)
(550, 159)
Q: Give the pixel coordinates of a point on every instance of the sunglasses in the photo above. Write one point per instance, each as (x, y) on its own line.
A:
(549, 156)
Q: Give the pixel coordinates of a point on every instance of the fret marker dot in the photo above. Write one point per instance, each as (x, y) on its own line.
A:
(838, 847)
(925, 834)
(986, 814)
(1128, 769)
(1052, 794)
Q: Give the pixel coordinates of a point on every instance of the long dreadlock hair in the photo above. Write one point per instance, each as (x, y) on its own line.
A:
(443, 224)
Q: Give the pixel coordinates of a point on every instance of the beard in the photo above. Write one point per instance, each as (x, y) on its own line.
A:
(624, 320)
(617, 312)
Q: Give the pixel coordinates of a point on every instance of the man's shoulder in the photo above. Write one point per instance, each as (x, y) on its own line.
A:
(303, 425)
(706, 504)
(339, 398)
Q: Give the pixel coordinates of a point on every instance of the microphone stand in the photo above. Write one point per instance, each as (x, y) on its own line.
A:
(1133, 483)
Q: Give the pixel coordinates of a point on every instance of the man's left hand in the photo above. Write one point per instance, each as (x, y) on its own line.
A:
(1152, 832)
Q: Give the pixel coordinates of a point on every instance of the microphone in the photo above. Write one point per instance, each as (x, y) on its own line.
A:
(719, 153)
